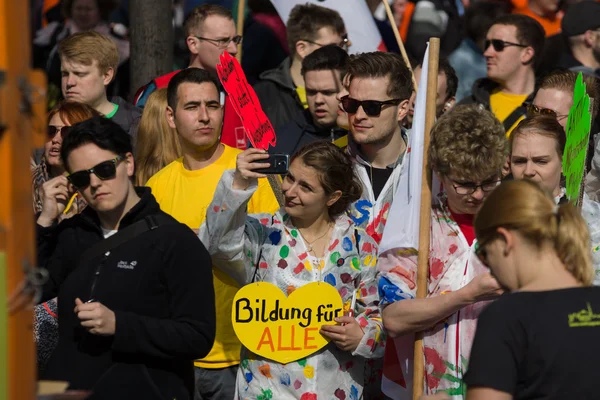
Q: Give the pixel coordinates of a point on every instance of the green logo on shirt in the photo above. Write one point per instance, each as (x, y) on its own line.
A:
(584, 317)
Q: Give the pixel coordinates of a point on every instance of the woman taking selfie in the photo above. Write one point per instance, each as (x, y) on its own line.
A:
(540, 340)
(309, 240)
(537, 146)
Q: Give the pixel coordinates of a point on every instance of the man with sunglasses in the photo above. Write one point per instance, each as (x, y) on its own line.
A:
(377, 104)
(513, 50)
(210, 30)
(129, 323)
(281, 90)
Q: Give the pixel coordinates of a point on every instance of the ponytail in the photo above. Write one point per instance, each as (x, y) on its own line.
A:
(573, 243)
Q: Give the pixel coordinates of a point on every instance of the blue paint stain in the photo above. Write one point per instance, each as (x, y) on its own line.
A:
(249, 377)
(329, 278)
(363, 207)
(347, 244)
(285, 379)
(353, 393)
(390, 293)
(275, 237)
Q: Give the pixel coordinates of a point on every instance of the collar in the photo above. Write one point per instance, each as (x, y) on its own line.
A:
(354, 151)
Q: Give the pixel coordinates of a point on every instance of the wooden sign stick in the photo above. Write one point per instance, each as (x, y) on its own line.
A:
(240, 26)
(390, 16)
(425, 216)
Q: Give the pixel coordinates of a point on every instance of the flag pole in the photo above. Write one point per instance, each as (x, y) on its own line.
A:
(425, 216)
(390, 16)
(240, 26)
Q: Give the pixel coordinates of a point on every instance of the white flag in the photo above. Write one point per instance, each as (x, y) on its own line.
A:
(402, 226)
(359, 22)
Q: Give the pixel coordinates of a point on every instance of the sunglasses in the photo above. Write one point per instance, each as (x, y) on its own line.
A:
(105, 170)
(499, 45)
(532, 109)
(371, 107)
(344, 44)
(53, 130)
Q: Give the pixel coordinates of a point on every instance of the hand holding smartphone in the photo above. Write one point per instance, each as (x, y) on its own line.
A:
(279, 164)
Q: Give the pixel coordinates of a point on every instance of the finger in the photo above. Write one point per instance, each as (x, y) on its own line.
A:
(346, 319)
(87, 315)
(252, 166)
(336, 337)
(334, 329)
(78, 302)
(253, 150)
(91, 323)
(256, 175)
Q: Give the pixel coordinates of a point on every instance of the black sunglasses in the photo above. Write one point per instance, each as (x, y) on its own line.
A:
(532, 109)
(371, 107)
(105, 170)
(53, 130)
(499, 45)
(344, 44)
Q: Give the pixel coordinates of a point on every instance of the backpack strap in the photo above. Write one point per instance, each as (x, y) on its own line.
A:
(149, 223)
(514, 117)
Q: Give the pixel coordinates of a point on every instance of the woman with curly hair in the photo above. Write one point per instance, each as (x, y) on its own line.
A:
(467, 152)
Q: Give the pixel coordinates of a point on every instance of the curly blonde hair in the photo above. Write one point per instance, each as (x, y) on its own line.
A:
(468, 143)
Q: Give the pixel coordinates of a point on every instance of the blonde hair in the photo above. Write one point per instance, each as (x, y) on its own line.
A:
(87, 47)
(468, 141)
(157, 144)
(522, 205)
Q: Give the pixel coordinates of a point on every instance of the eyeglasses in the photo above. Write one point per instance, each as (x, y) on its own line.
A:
(532, 109)
(53, 130)
(105, 170)
(499, 45)
(371, 107)
(344, 44)
(470, 188)
(222, 43)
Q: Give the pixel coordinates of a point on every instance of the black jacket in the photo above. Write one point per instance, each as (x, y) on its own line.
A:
(480, 94)
(159, 285)
(277, 95)
(301, 131)
(127, 116)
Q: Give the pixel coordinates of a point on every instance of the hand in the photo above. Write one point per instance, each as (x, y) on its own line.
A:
(245, 167)
(96, 318)
(346, 336)
(483, 287)
(55, 195)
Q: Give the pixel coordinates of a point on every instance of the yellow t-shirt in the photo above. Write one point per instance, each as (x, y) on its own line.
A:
(503, 104)
(186, 195)
(302, 96)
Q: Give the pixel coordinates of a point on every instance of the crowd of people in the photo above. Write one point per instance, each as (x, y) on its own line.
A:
(151, 214)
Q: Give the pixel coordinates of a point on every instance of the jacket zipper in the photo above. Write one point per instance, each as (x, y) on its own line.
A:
(96, 274)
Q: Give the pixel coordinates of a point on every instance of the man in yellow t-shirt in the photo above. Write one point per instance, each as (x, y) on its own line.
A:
(513, 50)
(185, 189)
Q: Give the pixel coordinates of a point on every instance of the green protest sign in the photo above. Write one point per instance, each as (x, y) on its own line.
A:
(578, 128)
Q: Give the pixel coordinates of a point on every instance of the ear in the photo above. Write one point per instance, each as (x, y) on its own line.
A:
(302, 49)
(334, 197)
(527, 55)
(403, 108)
(509, 239)
(170, 114)
(108, 76)
(192, 44)
(130, 162)
(449, 104)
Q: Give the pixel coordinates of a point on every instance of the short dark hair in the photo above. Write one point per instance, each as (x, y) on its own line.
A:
(305, 21)
(198, 15)
(480, 16)
(529, 33)
(451, 78)
(380, 65)
(188, 75)
(331, 57)
(335, 170)
(102, 132)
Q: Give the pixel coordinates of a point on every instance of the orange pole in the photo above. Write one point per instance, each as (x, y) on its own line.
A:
(425, 217)
(390, 16)
(17, 245)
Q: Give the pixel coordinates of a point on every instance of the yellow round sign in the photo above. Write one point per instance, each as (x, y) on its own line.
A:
(280, 328)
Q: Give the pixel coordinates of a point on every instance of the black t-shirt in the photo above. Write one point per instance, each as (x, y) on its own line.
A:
(379, 177)
(539, 345)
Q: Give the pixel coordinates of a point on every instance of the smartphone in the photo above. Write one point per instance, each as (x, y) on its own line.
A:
(279, 164)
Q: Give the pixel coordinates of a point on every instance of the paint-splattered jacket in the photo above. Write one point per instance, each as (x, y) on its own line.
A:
(268, 248)
(453, 264)
(368, 212)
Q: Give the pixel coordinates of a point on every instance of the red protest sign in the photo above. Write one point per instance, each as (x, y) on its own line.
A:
(245, 102)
